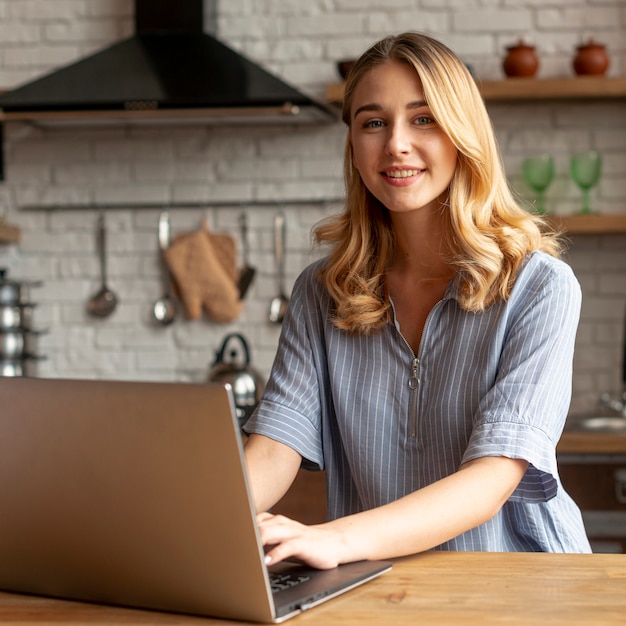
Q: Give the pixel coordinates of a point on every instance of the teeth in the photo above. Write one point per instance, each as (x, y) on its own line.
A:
(402, 173)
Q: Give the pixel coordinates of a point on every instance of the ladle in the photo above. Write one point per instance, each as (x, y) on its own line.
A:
(104, 301)
(164, 309)
(279, 303)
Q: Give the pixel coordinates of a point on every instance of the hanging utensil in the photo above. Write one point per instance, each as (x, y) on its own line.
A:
(164, 309)
(279, 303)
(104, 301)
(246, 276)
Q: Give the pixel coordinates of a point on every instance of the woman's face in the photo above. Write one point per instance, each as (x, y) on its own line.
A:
(404, 158)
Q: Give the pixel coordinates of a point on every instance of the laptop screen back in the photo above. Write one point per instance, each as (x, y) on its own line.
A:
(128, 493)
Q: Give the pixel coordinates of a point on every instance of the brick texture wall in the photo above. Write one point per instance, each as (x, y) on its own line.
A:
(263, 170)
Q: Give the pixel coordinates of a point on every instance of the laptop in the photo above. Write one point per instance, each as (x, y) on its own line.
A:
(135, 494)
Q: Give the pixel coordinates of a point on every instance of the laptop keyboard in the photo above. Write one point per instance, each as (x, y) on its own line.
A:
(280, 581)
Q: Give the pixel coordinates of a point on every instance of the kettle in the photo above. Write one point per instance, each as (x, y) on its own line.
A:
(234, 368)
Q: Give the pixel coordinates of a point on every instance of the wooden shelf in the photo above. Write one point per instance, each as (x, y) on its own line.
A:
(334, 92)
(590, 224)
(8, 233)
(579, 88)
(520, 89)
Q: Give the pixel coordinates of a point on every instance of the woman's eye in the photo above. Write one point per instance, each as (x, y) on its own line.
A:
(373, 124)
(424, 120)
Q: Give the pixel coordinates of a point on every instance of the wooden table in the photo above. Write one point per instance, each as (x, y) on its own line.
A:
(458, 588)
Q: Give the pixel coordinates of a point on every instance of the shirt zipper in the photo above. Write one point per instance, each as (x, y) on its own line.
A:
(414, 383)
(415, 379)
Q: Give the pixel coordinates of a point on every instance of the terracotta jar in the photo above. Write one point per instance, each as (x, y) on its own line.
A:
(521, 60)
(591, 59)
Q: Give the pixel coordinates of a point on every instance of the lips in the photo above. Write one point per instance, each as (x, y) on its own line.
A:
(402, 177)
(404, 173)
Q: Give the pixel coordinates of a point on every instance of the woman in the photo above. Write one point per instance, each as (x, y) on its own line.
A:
(426, 363)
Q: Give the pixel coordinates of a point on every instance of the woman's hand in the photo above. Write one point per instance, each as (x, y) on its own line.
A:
(283, 538)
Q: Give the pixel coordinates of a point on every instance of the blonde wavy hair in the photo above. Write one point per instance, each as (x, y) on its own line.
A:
(486, 230)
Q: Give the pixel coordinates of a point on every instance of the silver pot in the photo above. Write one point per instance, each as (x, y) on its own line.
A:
(234, 368)
(14, 368)
(14, 316)
(13, 291)
(18, 343)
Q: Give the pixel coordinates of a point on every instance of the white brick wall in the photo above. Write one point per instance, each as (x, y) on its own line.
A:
(221, 166)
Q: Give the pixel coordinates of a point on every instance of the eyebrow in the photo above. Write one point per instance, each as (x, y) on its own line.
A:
(417, 104)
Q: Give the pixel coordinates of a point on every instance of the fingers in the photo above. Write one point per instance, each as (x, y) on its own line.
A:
(277, 533)
(275, 529)
(284, 538)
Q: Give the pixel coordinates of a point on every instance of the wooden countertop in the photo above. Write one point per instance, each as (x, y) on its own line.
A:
(579, 440)
(431, 588)
(590, 442)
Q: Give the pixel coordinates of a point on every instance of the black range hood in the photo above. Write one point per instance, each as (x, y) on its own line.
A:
(170, 69)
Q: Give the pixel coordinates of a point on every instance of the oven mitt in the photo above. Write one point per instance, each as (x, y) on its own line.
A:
(226, 252)
(203, 267)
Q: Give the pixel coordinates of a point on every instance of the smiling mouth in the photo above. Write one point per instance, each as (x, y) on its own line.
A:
(402, 173)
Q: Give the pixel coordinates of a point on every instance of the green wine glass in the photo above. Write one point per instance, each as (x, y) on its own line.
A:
(586, 168)
(538, 172)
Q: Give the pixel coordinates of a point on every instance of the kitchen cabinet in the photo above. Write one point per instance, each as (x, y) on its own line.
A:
(592, 466)
(306, 499)
(597, 483)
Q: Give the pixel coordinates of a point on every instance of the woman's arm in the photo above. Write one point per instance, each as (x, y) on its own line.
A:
(414, 523)
(272, 467)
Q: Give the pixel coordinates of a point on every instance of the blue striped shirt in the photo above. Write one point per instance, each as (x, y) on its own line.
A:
(384, 422)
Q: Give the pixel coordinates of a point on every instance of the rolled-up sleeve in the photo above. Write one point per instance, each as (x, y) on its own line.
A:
(523, 415)
(290, 410)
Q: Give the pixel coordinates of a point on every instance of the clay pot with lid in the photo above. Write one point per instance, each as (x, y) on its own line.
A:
(521, 60)
(591, 59)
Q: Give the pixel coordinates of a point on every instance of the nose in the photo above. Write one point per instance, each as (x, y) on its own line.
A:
(398, 141)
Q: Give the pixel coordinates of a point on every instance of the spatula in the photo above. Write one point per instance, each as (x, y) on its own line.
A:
(246, 275)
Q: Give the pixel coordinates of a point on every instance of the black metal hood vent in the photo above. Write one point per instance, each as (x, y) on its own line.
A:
(170, 69)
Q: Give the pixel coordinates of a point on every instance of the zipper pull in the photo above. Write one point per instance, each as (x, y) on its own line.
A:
(414, 380)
